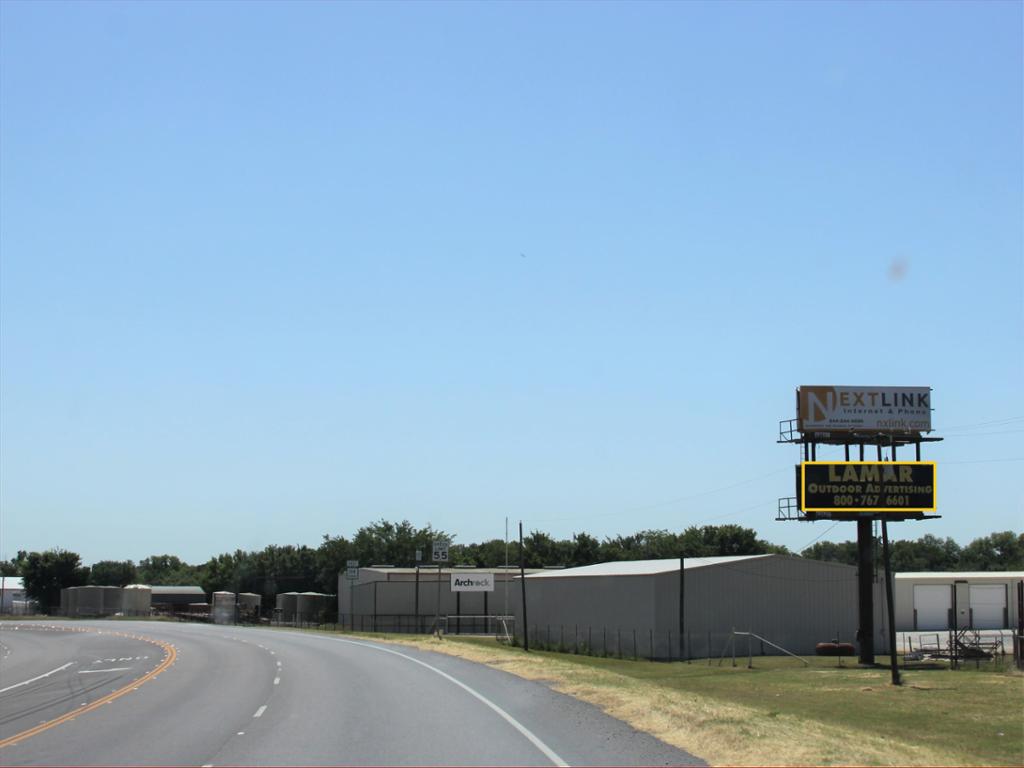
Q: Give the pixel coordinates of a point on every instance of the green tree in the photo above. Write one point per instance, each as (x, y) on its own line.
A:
(928, 553)
(586, 550)
(112, 573)
(386, 543)
(12, 567)
(842, 552)
(162, 570)
(1001, 551)
(331, 558)
(45, 574)
(540, 550)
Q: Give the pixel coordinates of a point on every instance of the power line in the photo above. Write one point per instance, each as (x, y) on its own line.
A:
(805, 546)
(668, 503)
(980, 461)
(982, 434)
(983, 424)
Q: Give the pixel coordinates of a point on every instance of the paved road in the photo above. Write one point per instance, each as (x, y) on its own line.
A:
(144, 693)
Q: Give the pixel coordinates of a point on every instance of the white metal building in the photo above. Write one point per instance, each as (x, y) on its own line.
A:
(634, 607)
(983, 600)
(12, 594)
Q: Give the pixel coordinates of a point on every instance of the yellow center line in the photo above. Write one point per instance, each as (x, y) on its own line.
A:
(168, 660)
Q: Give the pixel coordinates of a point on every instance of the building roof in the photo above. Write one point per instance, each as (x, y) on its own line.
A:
(642, 567)
(167, 590)
(431, 569)
(953, 575)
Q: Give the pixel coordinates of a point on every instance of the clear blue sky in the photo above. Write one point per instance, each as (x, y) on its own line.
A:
(270, 271)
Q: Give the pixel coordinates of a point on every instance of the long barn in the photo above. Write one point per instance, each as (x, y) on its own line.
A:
(634, 607)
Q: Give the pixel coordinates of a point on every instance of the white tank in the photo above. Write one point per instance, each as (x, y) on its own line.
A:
(222, 608)
(136, 600)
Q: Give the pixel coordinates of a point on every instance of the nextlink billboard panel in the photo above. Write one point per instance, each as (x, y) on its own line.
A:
(473, 582)
(867, 486)
(895, 410)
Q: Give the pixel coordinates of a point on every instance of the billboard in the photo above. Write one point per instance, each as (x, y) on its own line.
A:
(896, 410)
(867, 486)
(472, 582)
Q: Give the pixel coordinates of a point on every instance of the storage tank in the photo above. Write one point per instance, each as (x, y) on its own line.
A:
(95, 601)
(249, 604)
(311, 606)
(286, 606)
(136, 600)
(222, 608)
(69, 600)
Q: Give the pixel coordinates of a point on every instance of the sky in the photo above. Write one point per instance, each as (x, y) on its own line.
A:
(271, 271)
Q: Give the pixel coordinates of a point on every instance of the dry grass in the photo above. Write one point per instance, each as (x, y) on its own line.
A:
(731, 732)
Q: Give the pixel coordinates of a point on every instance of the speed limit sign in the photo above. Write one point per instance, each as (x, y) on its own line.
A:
(441, 551)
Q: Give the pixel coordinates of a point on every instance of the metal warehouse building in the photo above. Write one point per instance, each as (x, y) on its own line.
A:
(983, 600)
(633, 607)
(385, 598)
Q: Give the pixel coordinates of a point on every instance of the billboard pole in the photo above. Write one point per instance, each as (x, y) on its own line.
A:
(866, 623)
(889, 606)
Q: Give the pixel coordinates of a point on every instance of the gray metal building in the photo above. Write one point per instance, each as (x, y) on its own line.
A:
(385, 598)
(633, 607)
(177, 599)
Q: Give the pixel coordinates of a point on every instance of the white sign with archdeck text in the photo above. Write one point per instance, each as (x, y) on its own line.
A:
(472, 582)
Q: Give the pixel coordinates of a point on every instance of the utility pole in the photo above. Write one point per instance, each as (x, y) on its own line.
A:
(682, 608)
(522, 578)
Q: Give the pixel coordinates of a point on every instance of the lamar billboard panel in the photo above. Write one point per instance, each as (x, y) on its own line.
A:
(867, 486)
(895, 410)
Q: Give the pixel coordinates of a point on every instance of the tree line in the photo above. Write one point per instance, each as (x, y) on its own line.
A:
(300, 568)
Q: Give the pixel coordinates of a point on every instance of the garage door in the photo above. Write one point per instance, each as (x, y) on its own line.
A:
(931, 606)
(988, 604)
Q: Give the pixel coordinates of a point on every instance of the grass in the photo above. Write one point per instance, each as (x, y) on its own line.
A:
(782, 713)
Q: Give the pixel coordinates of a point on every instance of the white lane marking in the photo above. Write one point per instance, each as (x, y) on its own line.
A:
(549, 753)
(277, 681)
(94, 671)
(241, 733)
(260, 711)
(38, 677)
(279, 665)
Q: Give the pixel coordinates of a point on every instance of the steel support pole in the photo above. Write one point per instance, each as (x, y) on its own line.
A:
(890, 609)
(865, 592)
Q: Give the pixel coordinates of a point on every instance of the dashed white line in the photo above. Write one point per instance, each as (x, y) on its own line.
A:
(260, 711)
(277, 681)
(37, 677)
(94, 671)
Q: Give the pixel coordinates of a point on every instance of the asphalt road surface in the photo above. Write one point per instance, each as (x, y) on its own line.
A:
(155, 693)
